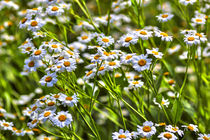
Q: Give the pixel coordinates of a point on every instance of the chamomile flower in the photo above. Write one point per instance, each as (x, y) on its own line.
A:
(186, 2)
(191, 39)
(127, 40)
(121, 135)
(144, 34)
(135, 84)
(54, 47)
(127, 58)
(147, 130)
(164, 36)
(89, 74)
(27, 46)
(38, 34)
(174, 129)
(68, 100)
(191, 127)
(19, 132)
(164, 102)
(23, 23)
(38, 54)
(203, 136)
(155, 52)
(174, 49)
(202, 37)
(85, 38)
(62, 119)
(6, 125)
(141, 62)
(35, 24)
(112, 64)
(105, 41)
(67, 64)
(32, 64)
(54, 10)
(102, 69)
(45, 115)
(199, 20)
(164, 17)
(29, 132)
(33, 123)
(49, 79)
(167, 136)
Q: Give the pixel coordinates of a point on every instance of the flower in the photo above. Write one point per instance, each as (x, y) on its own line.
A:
(164, 36)
(38, 54)
(174, 49)
(191, 127)
(191, 39)
(121, 135)
(147, 130)
(167, 136)
(127, 58)
(32, 64)
(67, 64)
(141, 62)
(143, 34)
(54, 10)
(89, 74)
(85, 38)
(202, 37)
(186, 2)
(47, 114)
(35, 24)
(112, 65)
(62, 119)
(105, 41)
(203, 136)
(68, 100)
(155, 52)
(199, 20)
(6, 125)
(135, 84)
(127, 40)
(49, 79)
(164, 17)
(163, 102)
(174, 130)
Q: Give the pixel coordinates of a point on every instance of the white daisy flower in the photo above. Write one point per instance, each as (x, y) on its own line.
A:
(29, 132)
(6, 125)
(112, 65)
(32, 64)
(127, 58)
(38, 54)
(45, 115)
(167, 136)
(155, 52)
(186, 2)
(33, 123)
(143, 34)
(188, 32)
(202, 37)
(164, 17)
(23, 23)
(147, 130)
(67, 64)
(89, 75)
(191, 39)
(127, 40)
(164, 36)
(38, 34)
(105, 41)
(49, 80)
(19, 132)
(191, 127)
(175, 129)
(35, 24)
(27, 46)
(199, 20)
(174, 49)
(101, 70)
(54, 47)
(85, 38)
(203, 136)
(135, 84)
(164, 102)
(121, 135)
(62, 119)
(54, 10)
(141, 62)
(68, 100)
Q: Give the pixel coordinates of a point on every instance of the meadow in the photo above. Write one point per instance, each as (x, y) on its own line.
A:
(104, 69)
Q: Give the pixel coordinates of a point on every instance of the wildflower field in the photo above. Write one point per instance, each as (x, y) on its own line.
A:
(104, 69)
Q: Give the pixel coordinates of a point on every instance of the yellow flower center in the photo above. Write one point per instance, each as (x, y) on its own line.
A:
(164, 16)
(164, 34)
(62, 118)
(28, 48)
(34, 108)
(34, 121)
(66, 63)
(54, 8)
(198, 20)
(171, 82)
(56, 96)
(190, 128)
(54, 46)
(97, 57)
(84, 37)
(205, 138)
(122, 136)
(6, 124)
(51, 104)
(143, 33)
(128, 57)
(155, 53)
(69, 98)
(147, 129)
(101, 68)
(89, 73)
(31, 64)
(175, 129)
(23, 20)
(34, 23)
(142, 62)
(127, 39)
(48, 79)
(190, 38)
(198, 34)
(135, 82)
(46, 114)
(112, 63)
(162, 124)
(167, 135)
(37, 52)
(105, 40)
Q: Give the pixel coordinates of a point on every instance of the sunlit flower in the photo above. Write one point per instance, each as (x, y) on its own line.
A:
(49, 79)
(203, 136)
(191, 127)
(191, 39)
(135, 84)
(141, 62)
(68, 100)
(174, 129)
(165, 17)
(144, 34)
(127, 40)
(62, 119)
(147, 130)
(155, 52)
(105, 41)
(167, 136)
(121, 135)
(54, 10)
(164, 36)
